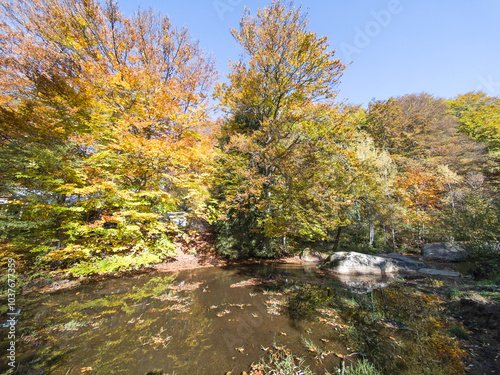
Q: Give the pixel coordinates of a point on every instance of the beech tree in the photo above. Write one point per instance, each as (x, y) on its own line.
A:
(100, 116)
(479, 117)
(288, 167)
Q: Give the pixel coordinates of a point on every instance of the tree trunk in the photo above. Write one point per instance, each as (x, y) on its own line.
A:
(370, 221)
(372, 233)
(393, 234)
(337, 239)
(61, 199)
(385, 235)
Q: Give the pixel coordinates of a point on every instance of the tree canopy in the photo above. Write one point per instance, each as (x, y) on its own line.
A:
(100, 125)
(107, 132)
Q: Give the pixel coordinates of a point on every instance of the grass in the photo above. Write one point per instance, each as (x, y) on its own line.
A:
(456, 294)
(72, 325)
(309, 345)
(490, 295)
(362, 367)
(459, 332)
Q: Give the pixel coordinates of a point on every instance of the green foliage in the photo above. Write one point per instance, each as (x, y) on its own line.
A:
(474, 217)
(433, 198)
(495, 296)
(483, 261)
(479, 117)
(428, 349)
(103, 123)
(292, 164)
(242, 235)
(100, 117)
(459, 332)
(362, 367)
(115, 263)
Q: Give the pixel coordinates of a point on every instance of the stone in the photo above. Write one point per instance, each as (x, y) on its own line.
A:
(450, 252)
(311, 256)
(353, 263)
(404, 259)
(311, 259)
(435, 272)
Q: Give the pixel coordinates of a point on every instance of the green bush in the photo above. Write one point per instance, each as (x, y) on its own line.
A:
(241, 235)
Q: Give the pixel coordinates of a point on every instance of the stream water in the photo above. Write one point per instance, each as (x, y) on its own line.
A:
(216, 320)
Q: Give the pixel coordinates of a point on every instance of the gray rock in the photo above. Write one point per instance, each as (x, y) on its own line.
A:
(407, 260)
(311, 256)
(451, 252)
(311, 259)
(352, 263)
(435, 272)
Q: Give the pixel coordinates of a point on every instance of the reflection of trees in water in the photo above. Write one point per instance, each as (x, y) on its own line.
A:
(122, 331)
(166, 322)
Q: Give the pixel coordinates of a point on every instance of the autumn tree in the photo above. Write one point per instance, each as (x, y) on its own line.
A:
(100, 116)
(288, 167)
(479, 117)
(424, 140)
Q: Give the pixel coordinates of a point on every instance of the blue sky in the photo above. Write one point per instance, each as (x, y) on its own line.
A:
(397, 47)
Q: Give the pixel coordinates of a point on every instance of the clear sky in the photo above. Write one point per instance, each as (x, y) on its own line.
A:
(397, 47)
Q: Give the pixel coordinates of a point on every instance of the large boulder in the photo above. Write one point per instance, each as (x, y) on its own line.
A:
(449, 252)
(352, 263)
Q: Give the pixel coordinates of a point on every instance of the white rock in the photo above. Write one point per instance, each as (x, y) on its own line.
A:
(353, 263)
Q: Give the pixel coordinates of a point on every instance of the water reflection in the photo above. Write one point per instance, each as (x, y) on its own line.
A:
(223, 320)
(363, 284)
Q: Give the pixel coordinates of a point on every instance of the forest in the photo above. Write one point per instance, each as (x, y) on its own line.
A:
(110, 125)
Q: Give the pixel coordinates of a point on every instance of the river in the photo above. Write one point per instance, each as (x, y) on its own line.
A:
(220, 320)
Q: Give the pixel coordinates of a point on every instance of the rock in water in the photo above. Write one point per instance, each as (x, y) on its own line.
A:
(450, 252)
(407, 260)
(353, 263)
(435, 272)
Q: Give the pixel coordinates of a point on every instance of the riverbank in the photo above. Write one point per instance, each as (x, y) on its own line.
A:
(185, 259)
